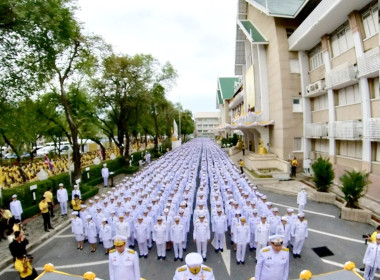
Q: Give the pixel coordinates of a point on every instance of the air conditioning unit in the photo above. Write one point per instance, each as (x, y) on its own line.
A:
(318, 86)
(310, 88)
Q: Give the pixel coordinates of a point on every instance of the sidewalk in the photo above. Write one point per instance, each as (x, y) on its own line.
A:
(34, 229)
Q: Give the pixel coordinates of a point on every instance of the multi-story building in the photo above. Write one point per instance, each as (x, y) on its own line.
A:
(309, 71)
(205, 124)
(338, 54)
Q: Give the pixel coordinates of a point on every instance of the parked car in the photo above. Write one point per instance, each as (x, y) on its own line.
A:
(45, 150)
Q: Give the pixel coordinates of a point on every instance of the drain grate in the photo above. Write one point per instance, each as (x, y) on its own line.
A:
(323, 251)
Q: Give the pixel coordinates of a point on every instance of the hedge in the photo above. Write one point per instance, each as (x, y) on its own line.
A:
(87, 186)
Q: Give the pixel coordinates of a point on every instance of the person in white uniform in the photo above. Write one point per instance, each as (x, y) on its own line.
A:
(261, 235)
(62, 198)
(76, 191)
(15, 207)
(201, 235)
(123, 264)
(302, 199)
(177, 235)
(91, 233)
(284, 229)
(371, 259)
(160, 233)
(105, 234)
(273, 262)
(77, 229)
(105, 175)
(194, 269)
(242, 236)
(122, 227)
(299, 233)
(142, 236)
(219, 228)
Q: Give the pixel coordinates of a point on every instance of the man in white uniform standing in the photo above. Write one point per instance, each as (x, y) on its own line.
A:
(300, 233)
(201, 235)
(62, 198)
(15, 207)
(105, 175)
(372, 259)
(123, 264)
(301, 199)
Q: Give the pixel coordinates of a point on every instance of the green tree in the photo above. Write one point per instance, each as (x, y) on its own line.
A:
(354, 186)
(323, 174)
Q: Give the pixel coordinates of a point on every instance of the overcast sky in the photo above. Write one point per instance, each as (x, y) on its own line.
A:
(197, 37)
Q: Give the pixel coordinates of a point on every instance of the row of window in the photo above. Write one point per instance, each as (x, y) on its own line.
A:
(346, 96)
(341, 39)
(352, 149)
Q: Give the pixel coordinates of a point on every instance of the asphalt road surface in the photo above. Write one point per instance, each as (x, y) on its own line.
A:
(342, 238)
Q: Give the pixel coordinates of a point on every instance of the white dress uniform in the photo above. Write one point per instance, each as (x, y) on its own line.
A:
(124, 266)
(301, 200)
(274, 221)
(300, 233)
(122, 228)
(219, 228)
(105, 175)
(177, 235)
(253, 221)
(62, 198)
(272, 265)
(371, 260)
(142, 235)
(201, 235)
(105, 234)
(16, 209)
(242, 236)
(261, 237)
(194, 269)
(284, 230)
(77, 228)
(159, 237)
(90, 232)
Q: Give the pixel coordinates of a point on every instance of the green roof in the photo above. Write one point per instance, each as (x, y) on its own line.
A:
(286, 8)
(219, 97)
(251, 32)
(226, 87)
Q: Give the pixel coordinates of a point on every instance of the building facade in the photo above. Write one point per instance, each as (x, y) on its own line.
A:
(205, 124)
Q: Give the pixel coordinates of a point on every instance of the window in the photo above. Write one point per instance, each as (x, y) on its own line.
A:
(351, 149)
(375, 151)
(294, 66)
(297, 106)
(374, 88)
(370, 19)
(316, 57)
(321, 102)
(349, 95)
(322, 146)
(297, 144)
(341, 40)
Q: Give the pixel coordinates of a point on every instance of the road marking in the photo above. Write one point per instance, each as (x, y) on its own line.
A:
(307, 211)
(342, 265)
(75, 265)
(226, 255)
(337, 236)
(64, 236)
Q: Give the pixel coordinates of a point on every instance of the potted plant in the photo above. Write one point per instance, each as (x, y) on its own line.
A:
(354, 186)
(323, 178)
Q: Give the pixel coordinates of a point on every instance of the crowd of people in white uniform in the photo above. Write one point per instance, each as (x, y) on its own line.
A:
(195, 184)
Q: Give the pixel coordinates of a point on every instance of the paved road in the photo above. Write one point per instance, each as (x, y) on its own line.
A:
(343, 238)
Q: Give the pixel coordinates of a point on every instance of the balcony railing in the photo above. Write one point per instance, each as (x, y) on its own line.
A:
(349, 130)
(371, 129)
(369, 63)
(341, 76)
(316, 130)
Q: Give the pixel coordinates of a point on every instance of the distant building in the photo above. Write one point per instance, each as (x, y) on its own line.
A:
(206, 123)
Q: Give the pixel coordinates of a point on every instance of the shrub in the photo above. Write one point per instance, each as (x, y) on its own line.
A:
(323, 174)
(354, 186)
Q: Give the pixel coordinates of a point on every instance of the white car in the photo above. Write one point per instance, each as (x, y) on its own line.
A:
(45, 150)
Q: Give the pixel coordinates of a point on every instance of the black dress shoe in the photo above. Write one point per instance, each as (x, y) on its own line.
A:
(181, 259)
(164, 258)
(242, 262)
(216, 250)
(299, 256)
(184, 249)
(294, 255)
(250, 249)
(140, 256)
(146, 256)
(204, 259)
(149, 248)
(221, 250)
(175, 259)
(361, 269)
(237, 262)
(158, 258)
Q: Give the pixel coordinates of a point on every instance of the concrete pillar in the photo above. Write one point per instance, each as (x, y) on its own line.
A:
(304, 70)
(262, 63)
(355, 25)
(330, 96)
